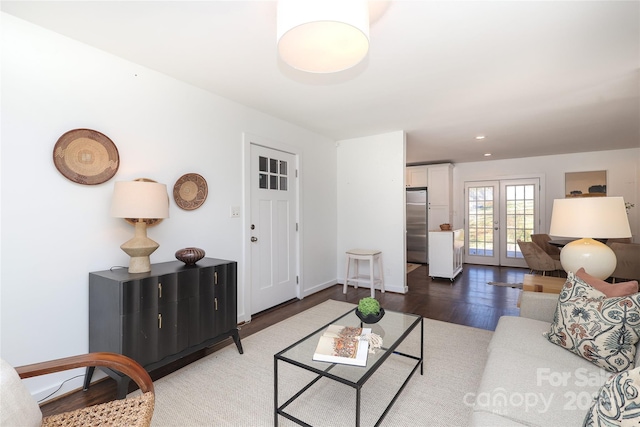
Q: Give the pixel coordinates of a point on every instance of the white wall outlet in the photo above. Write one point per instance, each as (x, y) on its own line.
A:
(235, 212)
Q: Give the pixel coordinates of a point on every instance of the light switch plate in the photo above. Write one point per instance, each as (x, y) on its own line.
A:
(235, 212)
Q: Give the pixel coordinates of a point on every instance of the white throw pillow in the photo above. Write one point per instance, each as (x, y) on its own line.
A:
(17, 407)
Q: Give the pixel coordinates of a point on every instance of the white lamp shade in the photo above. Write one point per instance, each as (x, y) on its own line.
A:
(595, 217)
(140, 200)
(323, 36)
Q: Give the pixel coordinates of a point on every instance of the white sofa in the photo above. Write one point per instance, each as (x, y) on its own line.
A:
(527, 380)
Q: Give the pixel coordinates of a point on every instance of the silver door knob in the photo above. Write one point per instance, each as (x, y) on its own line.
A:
(254, 239)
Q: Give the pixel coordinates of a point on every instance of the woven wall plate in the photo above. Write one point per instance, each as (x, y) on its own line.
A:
(86, 156)
(190, 191)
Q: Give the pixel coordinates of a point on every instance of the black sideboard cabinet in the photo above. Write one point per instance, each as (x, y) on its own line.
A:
(158, 317)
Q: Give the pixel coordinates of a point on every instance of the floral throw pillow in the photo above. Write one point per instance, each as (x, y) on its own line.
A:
(617, 403)
(602, 330)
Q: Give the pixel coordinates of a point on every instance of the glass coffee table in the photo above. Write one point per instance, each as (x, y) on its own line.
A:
(395, 326)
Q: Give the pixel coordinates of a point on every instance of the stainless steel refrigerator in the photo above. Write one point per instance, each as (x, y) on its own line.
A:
(417, 251)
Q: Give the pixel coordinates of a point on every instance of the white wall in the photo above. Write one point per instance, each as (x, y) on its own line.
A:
(371, 209)
(622, 168)
(54, 231)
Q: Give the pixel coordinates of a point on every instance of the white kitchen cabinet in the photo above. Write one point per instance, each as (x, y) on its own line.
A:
(416, 176)
(440, 178)
(446, 249)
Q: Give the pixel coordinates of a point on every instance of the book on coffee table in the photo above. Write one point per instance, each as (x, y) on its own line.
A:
(343, 344)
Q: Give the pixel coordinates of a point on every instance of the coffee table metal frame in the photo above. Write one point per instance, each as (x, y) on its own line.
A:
(357, 385)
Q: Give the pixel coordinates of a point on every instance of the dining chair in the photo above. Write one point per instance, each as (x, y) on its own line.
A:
(538, 260)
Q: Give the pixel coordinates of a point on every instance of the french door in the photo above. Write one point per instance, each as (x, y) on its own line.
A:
(497, 215)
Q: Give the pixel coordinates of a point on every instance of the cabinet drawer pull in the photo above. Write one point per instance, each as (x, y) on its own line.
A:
(159, 290)
(215, 303)
(159, 320)
(215, 277)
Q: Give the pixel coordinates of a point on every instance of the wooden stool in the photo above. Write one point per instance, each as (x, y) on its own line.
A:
(372, 256)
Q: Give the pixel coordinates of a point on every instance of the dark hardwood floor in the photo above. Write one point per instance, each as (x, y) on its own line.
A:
(469, 301)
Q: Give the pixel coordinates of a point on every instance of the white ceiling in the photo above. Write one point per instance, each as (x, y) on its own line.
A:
(535, 77)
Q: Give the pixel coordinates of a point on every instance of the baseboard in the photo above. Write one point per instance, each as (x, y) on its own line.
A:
(322, 286)
(319, 287)
(387, 288)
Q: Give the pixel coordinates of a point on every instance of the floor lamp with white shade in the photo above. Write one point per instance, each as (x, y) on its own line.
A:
(589, 218)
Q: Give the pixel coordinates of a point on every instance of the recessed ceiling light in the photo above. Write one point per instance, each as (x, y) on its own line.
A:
(480, 137)
(487, 154)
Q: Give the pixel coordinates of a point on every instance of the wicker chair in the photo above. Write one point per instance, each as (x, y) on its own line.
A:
(134, 411)
(539, 260)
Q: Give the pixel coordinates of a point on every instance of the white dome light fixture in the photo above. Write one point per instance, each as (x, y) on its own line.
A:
(323, 36)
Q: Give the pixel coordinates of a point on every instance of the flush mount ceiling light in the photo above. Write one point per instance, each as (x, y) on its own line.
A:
(323, 36)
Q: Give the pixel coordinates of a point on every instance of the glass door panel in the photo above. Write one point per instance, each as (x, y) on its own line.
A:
(482, 220)
(521, 218)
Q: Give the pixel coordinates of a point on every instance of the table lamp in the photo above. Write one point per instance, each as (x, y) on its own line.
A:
(140, 200)
(589, 218)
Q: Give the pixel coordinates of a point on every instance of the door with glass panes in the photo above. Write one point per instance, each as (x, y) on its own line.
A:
(273, 227)
(497, 215)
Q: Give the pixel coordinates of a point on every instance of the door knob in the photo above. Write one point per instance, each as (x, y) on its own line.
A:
(254, 239)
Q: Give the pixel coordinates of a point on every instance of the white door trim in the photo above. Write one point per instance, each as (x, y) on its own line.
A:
(244, 289)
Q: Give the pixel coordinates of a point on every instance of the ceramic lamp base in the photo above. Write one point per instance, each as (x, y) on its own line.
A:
(139, 264)
(595, 257)
(139, 248)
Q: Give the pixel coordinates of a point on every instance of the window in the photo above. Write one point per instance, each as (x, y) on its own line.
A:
(272, 174)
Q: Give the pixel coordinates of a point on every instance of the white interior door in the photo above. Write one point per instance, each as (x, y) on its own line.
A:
(498, 214)
(273, 227)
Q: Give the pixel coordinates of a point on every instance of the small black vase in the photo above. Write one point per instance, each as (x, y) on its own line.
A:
(370, 318)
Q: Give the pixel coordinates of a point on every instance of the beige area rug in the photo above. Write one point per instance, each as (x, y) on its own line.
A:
(230, 389)
(411, 267)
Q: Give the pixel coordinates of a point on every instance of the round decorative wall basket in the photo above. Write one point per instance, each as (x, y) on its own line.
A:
(190, 191)
(86, 156)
